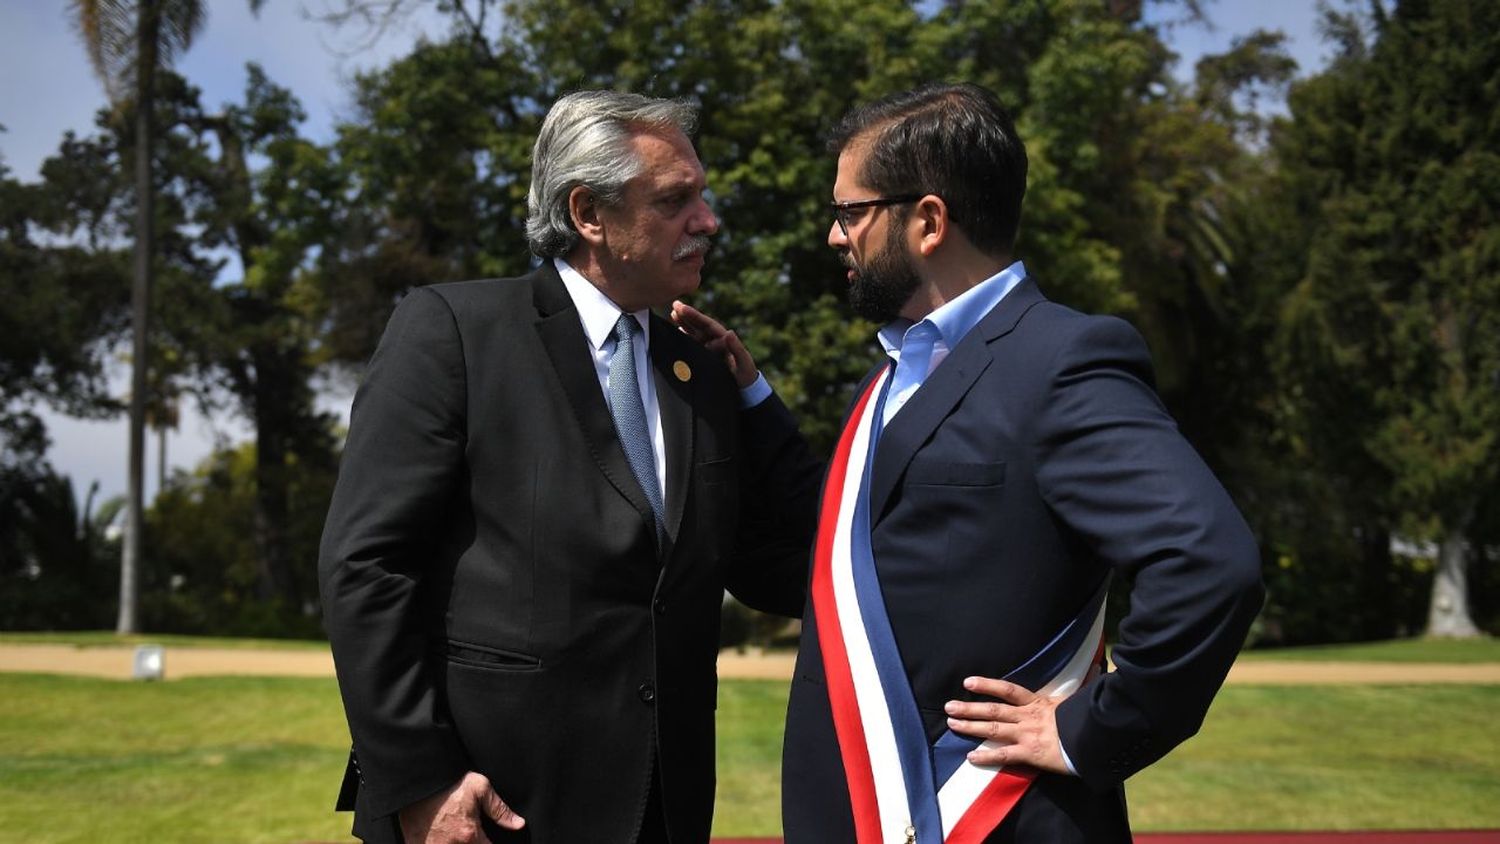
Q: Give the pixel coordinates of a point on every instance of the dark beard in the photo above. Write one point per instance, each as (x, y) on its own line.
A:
(886, 283)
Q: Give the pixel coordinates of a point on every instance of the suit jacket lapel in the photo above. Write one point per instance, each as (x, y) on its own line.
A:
(562, 336)
(674, 400)
(941, 392)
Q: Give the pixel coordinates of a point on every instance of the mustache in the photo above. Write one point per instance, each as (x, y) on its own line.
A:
(691, 245)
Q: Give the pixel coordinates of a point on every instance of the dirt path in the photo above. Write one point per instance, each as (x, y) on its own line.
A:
(116, 662)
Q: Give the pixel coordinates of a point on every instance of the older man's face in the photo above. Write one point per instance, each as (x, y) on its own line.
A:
(656, 237)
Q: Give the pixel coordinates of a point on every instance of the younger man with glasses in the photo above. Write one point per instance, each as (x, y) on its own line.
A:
(994, 473)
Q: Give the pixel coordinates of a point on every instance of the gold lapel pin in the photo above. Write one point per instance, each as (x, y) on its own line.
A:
(683, 372)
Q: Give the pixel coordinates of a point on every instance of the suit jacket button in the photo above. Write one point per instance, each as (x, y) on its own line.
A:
(647, 692)
(660, 606)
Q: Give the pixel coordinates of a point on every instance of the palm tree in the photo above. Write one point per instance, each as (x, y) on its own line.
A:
(127, 40)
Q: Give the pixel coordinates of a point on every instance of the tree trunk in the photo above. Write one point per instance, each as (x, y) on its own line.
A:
(140, 315)
(1448, 614)
(272, 432)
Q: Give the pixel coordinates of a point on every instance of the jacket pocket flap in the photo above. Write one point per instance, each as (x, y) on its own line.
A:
(493, 657)
(953, 473)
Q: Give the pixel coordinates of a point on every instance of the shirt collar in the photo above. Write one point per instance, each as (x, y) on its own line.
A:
(954, 319)
(597, 312)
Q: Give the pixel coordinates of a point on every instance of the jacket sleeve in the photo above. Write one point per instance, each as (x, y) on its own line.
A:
(1116, 472)
(780, 482)
(402, 463)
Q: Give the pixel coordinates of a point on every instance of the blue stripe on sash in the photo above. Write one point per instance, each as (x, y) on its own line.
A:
(906, 721)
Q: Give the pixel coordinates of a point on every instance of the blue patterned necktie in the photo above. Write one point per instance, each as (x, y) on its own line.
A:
(630, 415)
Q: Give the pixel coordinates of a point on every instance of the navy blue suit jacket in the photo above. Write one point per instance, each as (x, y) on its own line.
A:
(1033, 463)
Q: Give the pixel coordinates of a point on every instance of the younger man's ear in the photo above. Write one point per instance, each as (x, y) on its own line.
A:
(932, 217)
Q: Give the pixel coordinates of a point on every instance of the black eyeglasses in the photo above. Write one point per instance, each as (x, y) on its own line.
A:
(841, 209)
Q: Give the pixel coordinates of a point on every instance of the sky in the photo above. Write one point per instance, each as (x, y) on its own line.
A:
(48, 88)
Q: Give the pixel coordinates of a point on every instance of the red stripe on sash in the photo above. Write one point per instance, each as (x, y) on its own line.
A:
(840, 683)
(991, 806)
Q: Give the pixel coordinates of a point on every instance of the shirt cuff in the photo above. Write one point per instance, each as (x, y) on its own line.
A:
(1066, 761)
(755, 393)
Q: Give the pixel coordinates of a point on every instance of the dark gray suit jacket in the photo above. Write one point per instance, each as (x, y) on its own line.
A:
(492, 584)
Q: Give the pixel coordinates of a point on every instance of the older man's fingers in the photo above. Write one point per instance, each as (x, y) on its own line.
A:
(498, 811)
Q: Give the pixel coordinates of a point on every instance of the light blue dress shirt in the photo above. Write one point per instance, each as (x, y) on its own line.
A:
(919, 348)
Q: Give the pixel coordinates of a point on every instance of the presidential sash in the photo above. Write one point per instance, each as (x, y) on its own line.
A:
(901, 788)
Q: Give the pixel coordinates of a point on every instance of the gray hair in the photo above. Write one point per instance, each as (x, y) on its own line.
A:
(585, 140)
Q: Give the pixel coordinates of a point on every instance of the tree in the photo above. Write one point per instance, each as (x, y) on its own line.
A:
(1133, 181)
(204, 573)
(770, 77)
(61, 306)
(261, 336)
(1392, 331)
(241, 181)
(55, 570)
(127, 42)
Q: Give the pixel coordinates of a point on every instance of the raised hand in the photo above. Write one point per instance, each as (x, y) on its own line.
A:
(712, 335)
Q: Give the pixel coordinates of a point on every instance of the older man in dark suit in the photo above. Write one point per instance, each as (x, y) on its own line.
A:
(545, 491)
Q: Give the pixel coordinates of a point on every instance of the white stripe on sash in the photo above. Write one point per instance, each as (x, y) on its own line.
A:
(880, 737)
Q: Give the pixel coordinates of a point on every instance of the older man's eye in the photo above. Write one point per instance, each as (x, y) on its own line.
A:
(678, 200)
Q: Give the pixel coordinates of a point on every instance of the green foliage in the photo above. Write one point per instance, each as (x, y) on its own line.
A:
(440, 154)
(57, 569)
(1399, 303)
(61, 306)
(238, 182)
(1320, 291)
(1389, 348)
(202, 571)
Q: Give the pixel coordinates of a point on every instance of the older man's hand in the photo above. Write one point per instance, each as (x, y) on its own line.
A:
(452, 816)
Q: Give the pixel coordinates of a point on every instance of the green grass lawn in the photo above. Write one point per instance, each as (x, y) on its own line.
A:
(259, 760)
(211, 759)
(1331, 757)
(1401, 650)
